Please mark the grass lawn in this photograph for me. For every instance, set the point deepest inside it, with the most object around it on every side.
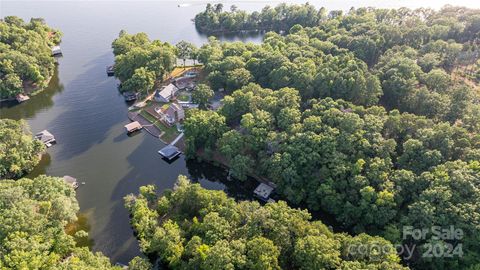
(170, 133)
(184, 97)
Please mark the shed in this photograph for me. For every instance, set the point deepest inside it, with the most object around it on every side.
(71, 181)
(169, 152)
(133, 126)
(45, 137)
(263, 191)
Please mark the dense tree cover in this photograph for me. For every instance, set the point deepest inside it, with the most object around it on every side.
(368, 167)
(194, 228)
(359, 114)
(399, 58)
(33, 216)
(19, 151)
(139, 61)
(202, 94)
(186, 50)
(280, 18)
(25, 55)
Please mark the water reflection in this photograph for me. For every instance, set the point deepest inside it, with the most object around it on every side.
(40, 101)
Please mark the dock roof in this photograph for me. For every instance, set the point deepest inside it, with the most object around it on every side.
(133, 126)
(169, 152)
(263, 191)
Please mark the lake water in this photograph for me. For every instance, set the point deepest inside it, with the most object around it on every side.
(85, 112)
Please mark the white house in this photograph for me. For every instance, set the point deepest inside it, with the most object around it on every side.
(166, 93)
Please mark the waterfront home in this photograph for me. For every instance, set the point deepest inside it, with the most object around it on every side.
(71, 181)
(165, 93)
(56, 51)
(169, 152)
(263, 191)
(133, 126)
(45, 137)
(172, 114)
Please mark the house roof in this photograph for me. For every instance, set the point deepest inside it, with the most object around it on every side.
(170, 111)
(167, 91)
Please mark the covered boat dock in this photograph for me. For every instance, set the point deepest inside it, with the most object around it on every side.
(169, 152)
(133, 126)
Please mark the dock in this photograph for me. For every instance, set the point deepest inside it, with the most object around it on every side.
(263, 192)
(45, 137)
(56, 51)
(71, 181)
(133, 126)
(110, 71)
(169, 152)
(21, 98)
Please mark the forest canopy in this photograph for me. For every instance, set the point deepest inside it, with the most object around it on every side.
(369, 115)
(194, 228)
(139, 61)
(33, 216)
(19, 151)
(26, 62)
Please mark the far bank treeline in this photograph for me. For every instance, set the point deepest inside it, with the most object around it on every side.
(26, 62)
(371, 115)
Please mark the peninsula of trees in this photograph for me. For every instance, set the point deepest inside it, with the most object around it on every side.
(139, 62)
(19, 151)
(366, 115)
(194, 228)
(26, 62)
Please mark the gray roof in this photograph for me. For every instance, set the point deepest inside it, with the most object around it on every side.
(263, 191)
(169, 151)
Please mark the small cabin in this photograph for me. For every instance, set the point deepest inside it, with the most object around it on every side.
(133, 126)
(263, 192)
(56, 50)
(71, 181)
(169, 152)
(45, 137)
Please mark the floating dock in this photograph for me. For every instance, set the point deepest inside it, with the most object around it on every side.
(110, 70)
(45, 137)
(56, 51)
(21, 98)
(169, 152)
(71, 181)
(133, 126)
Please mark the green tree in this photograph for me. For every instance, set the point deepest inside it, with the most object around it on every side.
(202, 94)
(20, 151)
